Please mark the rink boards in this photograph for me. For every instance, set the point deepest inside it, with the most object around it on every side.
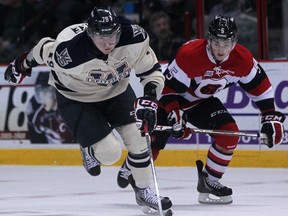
(16, 149)
(167, 157)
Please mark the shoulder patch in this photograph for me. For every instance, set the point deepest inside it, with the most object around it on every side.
(72, 53)
(79, 28)
(63, 58)
(131, 34)
(137, 30)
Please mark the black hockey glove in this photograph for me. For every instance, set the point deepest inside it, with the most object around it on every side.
(272, 126)
(15, 72)
(177, 119)
(146, 109)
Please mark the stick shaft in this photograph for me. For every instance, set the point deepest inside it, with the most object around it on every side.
(221, 132)
(148, 139)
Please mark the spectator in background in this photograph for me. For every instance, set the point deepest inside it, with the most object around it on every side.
(75, 12)
(25, 22)
(177, 10)
(225, 7)
(163, 41)
(50, 19)
(117, 6)
(45, 125)
(149, 7)
(14, 14)
(244, 15)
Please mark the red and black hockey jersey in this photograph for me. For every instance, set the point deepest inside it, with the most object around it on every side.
(194, 75)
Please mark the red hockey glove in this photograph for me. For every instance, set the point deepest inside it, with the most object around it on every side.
(15, 73)
(145, 110)
(272, 126)
(177, 119)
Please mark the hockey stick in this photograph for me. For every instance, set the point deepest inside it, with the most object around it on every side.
(221, 132)
(148, 139)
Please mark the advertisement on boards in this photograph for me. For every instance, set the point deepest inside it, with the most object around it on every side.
(28, 112)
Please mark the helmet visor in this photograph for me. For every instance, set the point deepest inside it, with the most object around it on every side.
(112, 38)
(221, 39)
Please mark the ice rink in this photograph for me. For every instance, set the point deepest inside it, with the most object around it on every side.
(70, 191)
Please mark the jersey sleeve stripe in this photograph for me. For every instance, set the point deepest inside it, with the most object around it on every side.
(157, 66)
(59, 84)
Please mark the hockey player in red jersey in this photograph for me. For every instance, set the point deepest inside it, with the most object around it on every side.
(200, 70)
(90, 66)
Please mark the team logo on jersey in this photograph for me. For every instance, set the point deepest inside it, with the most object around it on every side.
(219, 72)
(108, 78)
(63, 58)
(137, 30)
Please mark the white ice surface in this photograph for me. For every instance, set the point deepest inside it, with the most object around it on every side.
(70, 191)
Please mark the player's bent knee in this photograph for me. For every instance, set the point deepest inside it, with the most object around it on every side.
(134, 142)
(228, 142)
(108, 150)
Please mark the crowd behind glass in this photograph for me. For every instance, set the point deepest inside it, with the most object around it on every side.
(24, 22)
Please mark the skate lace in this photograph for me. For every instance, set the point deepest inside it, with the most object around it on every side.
(124, 172)
(214, 184)
(90, 162)
(149, 196)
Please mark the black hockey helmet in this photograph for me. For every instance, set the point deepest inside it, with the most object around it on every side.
(103, 21)
(223, 28)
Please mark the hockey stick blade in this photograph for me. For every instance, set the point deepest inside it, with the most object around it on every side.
(221, 132)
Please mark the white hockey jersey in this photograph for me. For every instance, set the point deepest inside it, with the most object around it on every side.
(80, 72)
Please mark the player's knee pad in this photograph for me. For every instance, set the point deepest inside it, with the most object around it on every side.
(228, 142)
(134, 142)
(108, 150)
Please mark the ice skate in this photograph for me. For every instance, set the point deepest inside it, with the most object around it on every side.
(211, 192)
(91, 164)
(148, 202)
(123, 175)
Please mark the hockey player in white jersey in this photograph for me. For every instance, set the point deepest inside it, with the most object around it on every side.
(90, 68)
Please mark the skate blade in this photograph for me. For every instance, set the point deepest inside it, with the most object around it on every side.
(150, 211)
(206, 198)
